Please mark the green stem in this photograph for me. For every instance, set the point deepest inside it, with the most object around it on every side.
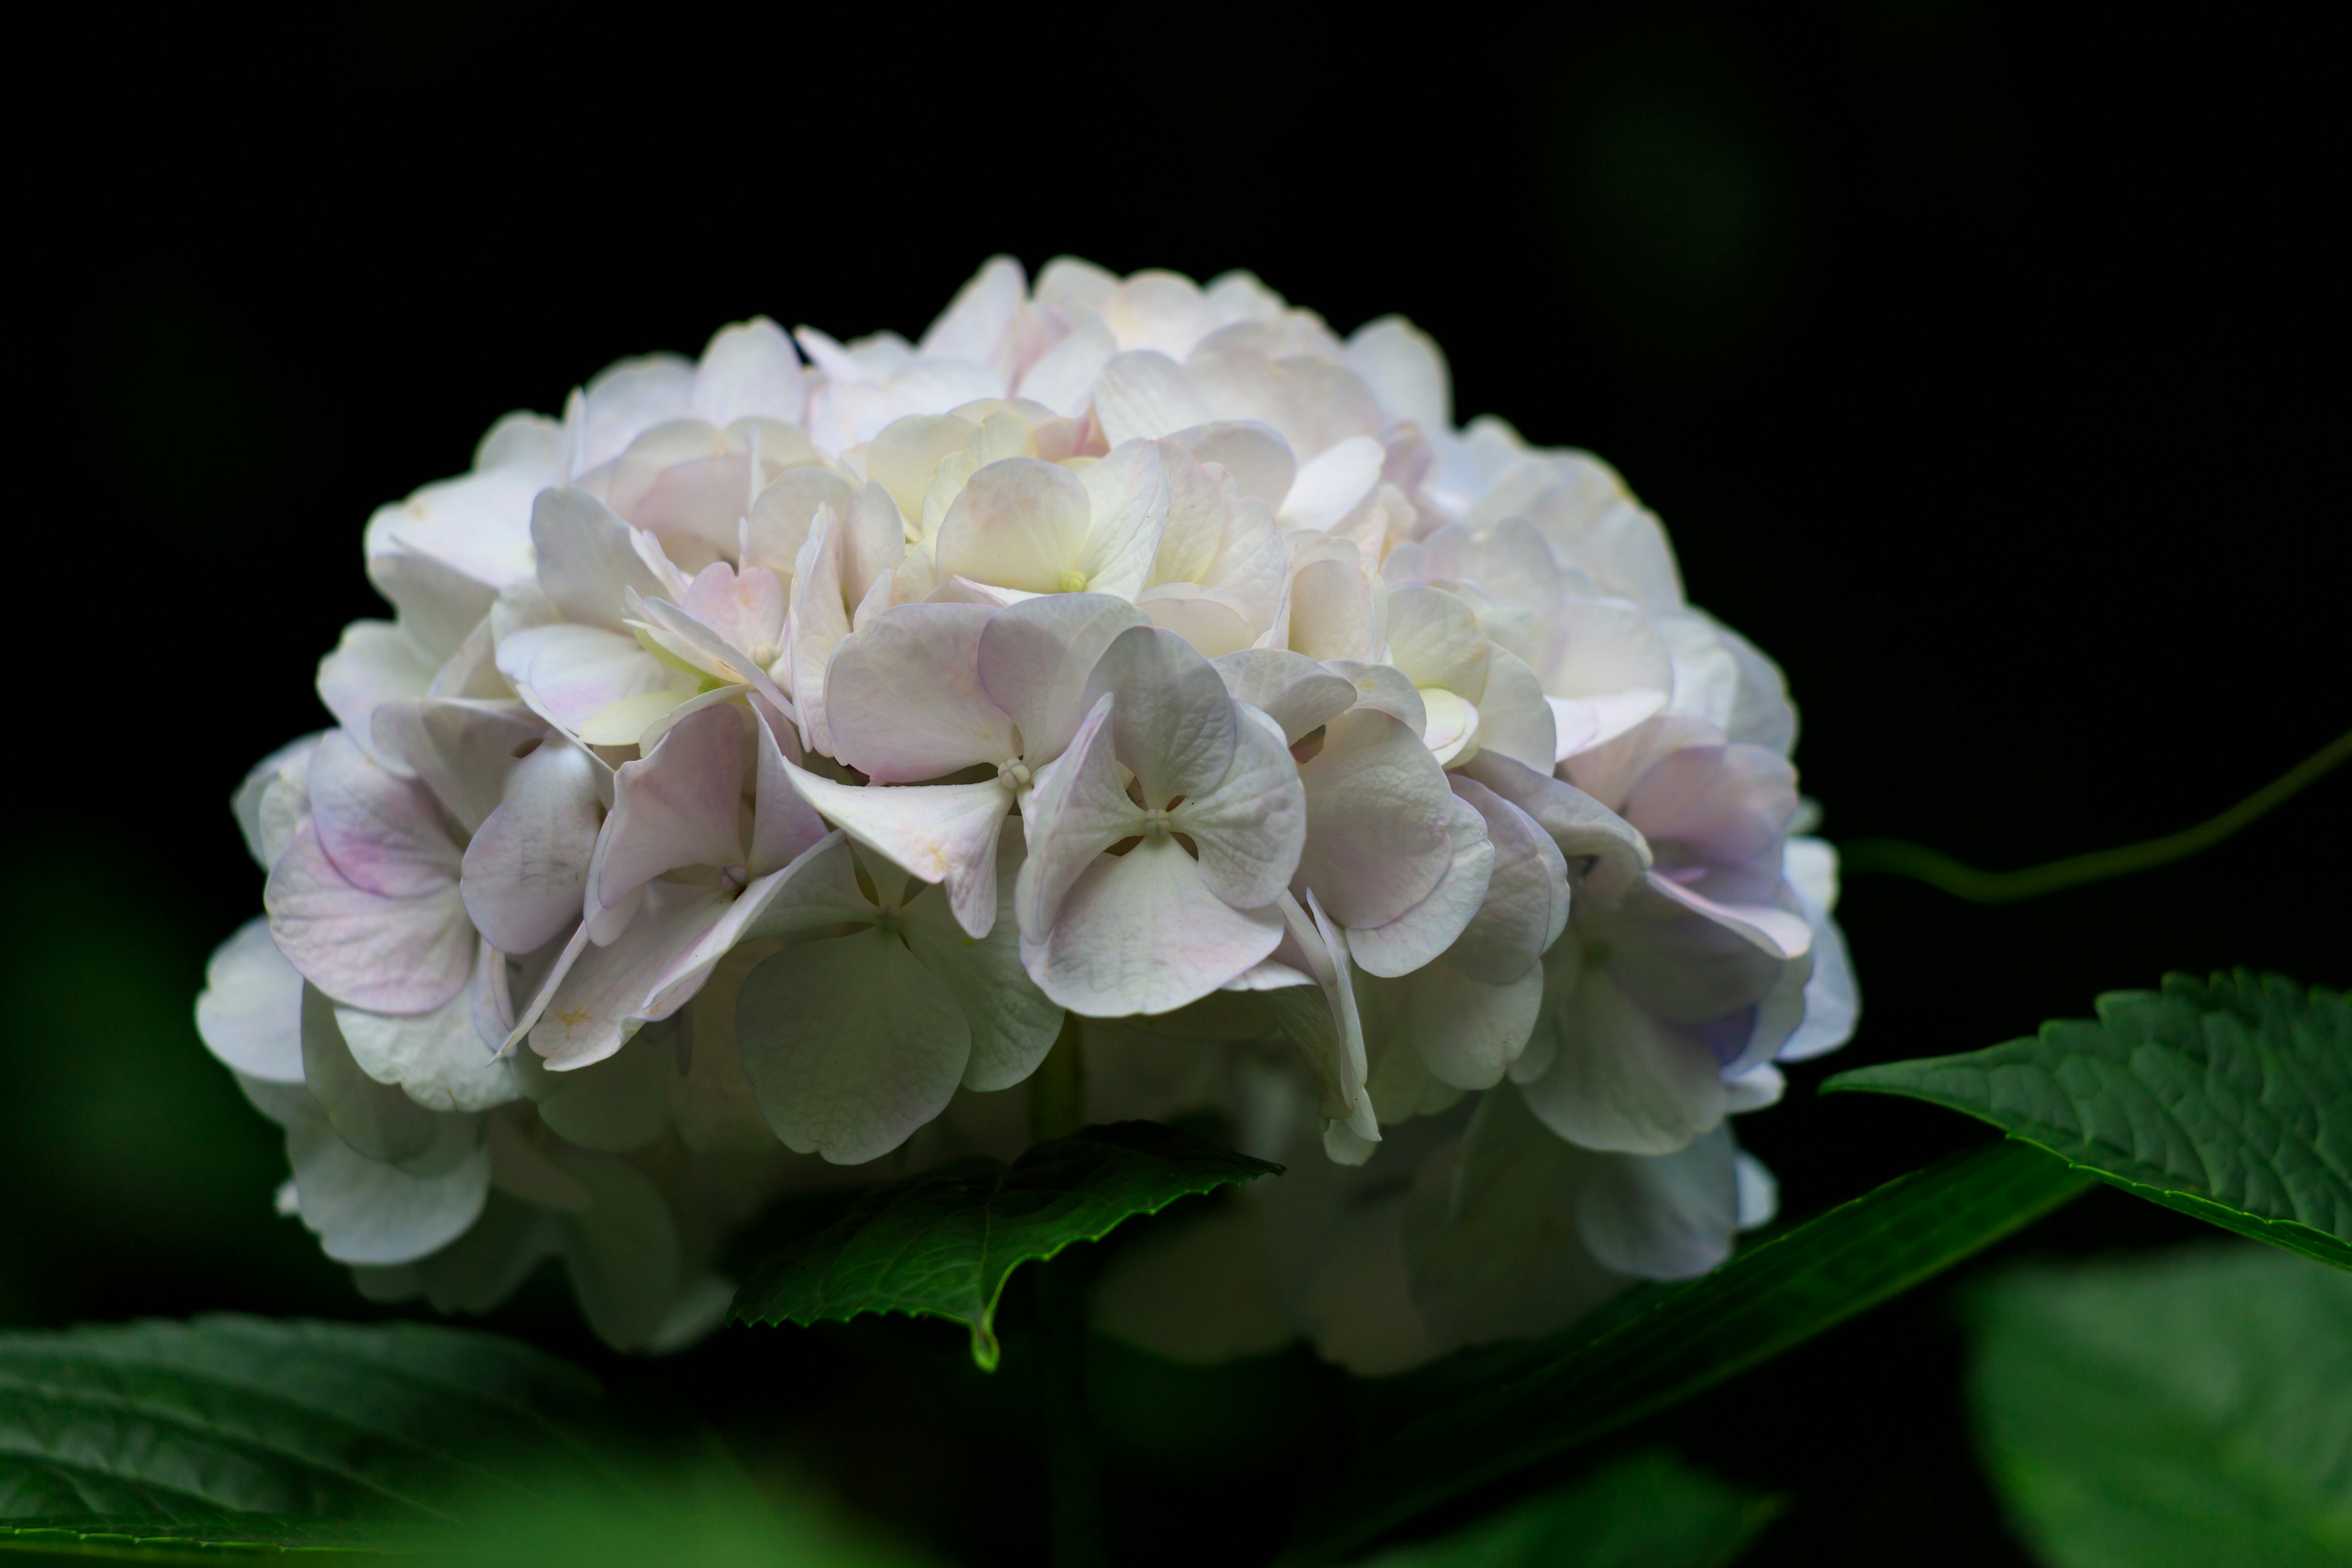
(1073, 1465)
(1901, 857)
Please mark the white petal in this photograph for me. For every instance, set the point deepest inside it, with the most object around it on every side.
(440, 1058)
(1513, 716)
(1128, 499)
(905, 696)
(1405, 370)
(1019, 523)
(1292, 690)
(576, 673)
(1252, 826)
(1013, 1023)
(1139, 932)
(1606, 858)
(680, 807)
(1078, 809)
(367, 1212)
(1436, 640)
(1663, 1217)
(1063, 377)
(1621, 1079)
(977, 325)
(1774, 931)
(820, 620)
(1383, 689)
(1254, 454)
(392, 954)
(587, 563)
(1172, 724)
(941, 832)
(250, 1012)
(1378, 815)
(1035, 660)
(526, 870)
(1431, 925)
(1335, 484)
(375, 662)
(595, 1008)
(850, 1044)
(1526, 899)
(1144, 393)
(750, 369)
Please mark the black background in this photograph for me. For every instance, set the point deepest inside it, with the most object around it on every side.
(1986, 368)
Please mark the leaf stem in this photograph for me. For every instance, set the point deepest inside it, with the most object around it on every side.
(1901, 857)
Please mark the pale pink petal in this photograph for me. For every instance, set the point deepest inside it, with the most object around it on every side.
(1334, 611)
(1415, 936)
(1405, 370)
(784, 826)
(1250, 828)
(1378, 815)
(384, 834)
(939, 833)
(807, 893)
(594, 1011)
(1035, 660)
(1327, 1030)
(820, 619)
(526, 871)
(680, 807)
(1078, 809)
(1469, 1032)
(906, 453)
(1173, 724)
(1663, 1217)
(1254, 454)
(391, 954)
(461, 749)
(906, 699)
(1526, 898)
(1292, 690)
(746, 609)
(1722, 804)
(1140, 932)
(686, 637)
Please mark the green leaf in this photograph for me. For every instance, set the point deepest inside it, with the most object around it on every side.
(281, 1434)
(1668, 1342)
(943, 1243)
(2171, 1412)
(2229, 1100)
(1647, 1511)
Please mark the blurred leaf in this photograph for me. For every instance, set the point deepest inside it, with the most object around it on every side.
(2175, 1411)
(1668, 1342)
(1648, 1511)
(945, 1242)
(286, 1432)
(2229, 1100)
(712, 1527)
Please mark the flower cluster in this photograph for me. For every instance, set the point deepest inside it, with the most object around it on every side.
(772, 757)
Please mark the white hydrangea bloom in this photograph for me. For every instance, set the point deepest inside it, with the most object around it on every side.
(766, 757)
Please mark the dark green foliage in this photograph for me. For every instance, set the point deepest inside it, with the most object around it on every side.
(943, 1243)
(2229, 1100)
(2181, 1411)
